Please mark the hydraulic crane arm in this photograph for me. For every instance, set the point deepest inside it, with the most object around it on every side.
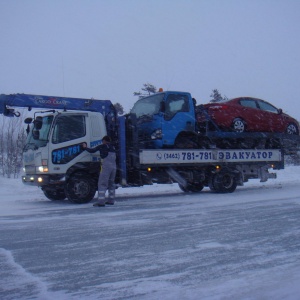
(7, 102)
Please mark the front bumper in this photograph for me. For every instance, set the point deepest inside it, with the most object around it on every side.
(36, 180)
(42, 179)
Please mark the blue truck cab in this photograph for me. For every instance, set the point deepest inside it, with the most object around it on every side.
(165, 119)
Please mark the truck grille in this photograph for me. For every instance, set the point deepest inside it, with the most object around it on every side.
(30, 169)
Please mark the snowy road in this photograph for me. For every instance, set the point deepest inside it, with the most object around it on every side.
(155, 243)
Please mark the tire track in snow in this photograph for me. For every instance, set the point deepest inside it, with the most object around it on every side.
(16, 282)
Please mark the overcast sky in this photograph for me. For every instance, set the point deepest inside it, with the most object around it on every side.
(107, 49)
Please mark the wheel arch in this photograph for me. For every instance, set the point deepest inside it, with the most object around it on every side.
(186, 136)
(90, 168)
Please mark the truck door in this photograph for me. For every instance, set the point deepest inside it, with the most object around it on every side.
(179, 116)
(68, 133)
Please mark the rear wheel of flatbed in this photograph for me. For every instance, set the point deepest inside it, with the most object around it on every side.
(223, 182)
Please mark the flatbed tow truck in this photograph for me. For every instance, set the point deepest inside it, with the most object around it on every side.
(153, 146)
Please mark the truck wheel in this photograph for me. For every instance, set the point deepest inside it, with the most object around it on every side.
(223, 182)
(80, 188)
(55, 195)
(191, 188)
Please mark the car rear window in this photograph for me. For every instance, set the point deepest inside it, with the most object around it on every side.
(248, 103)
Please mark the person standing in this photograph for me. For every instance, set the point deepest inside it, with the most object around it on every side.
(106, 181)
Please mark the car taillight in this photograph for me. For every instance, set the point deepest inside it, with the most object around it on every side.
(219, 107)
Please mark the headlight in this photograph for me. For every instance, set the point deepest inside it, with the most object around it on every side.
(157, 134)
(43, 169)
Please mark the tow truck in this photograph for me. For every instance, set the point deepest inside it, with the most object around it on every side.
(154, 145)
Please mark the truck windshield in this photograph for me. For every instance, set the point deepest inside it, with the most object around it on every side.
(39, 138)
(147, 106)
(68, 127)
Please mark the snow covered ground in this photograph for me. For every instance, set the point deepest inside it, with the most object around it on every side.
(155, 243)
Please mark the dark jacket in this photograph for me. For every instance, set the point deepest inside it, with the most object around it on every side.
(104, 149)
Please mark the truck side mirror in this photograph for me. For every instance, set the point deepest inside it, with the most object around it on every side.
(279, 111)
(28, 121)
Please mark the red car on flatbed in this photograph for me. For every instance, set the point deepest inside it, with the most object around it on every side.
(247, 114)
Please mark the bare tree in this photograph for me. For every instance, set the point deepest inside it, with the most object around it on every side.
(147, 90)
(119, 108)
(216, 96)
(12, 141)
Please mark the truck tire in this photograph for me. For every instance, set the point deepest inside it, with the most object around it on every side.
(80, 188)
(54, 195)
(191, 188)
(223, 182)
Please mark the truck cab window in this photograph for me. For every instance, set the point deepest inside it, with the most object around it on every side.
(68, 127)
(176, 103)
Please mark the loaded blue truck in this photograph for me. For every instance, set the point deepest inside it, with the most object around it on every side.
(159, 141)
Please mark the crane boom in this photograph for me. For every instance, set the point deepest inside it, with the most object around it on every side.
(51, 102)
